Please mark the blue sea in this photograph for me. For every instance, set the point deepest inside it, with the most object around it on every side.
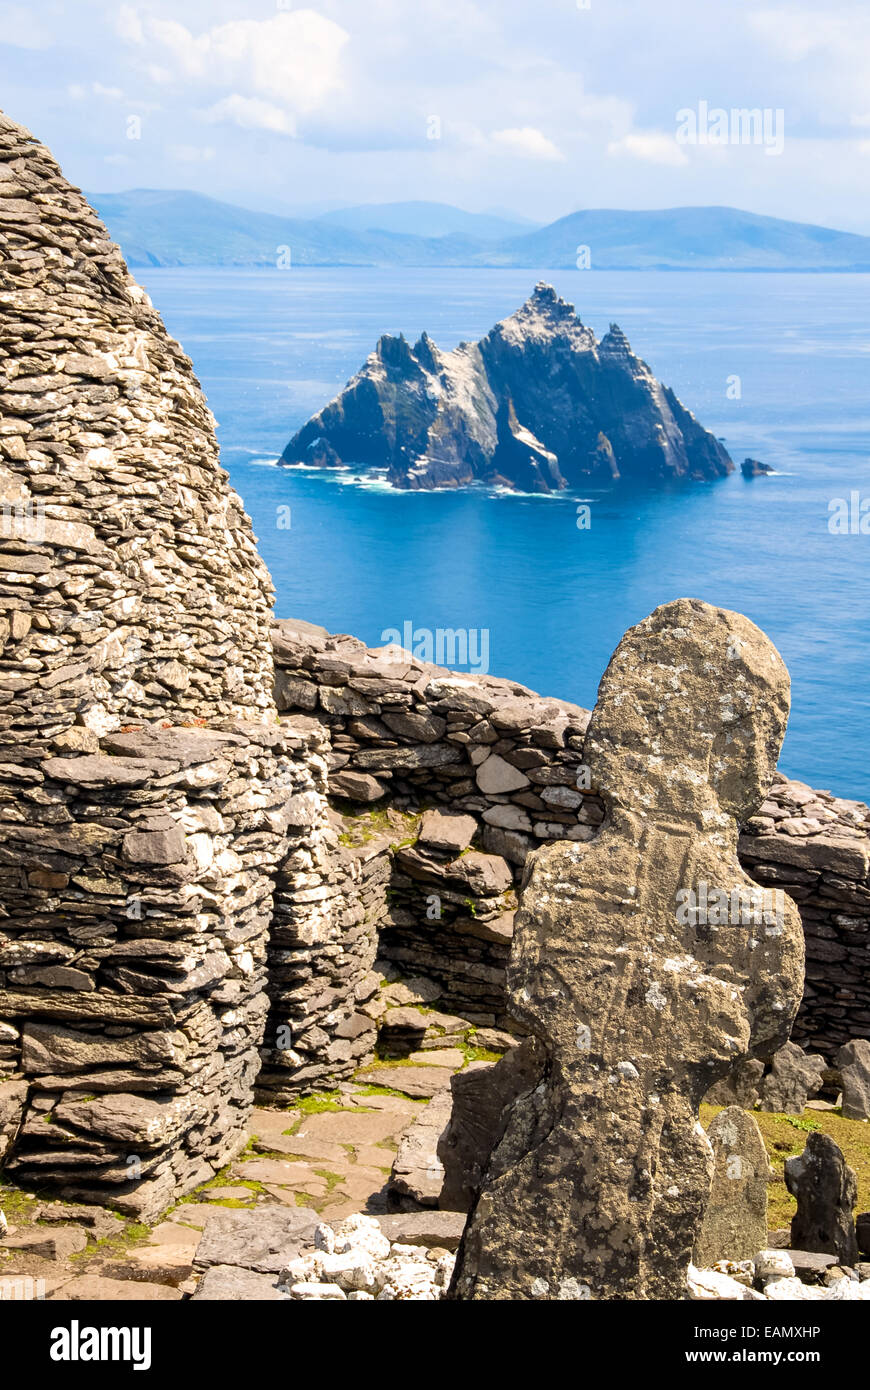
(272, 346)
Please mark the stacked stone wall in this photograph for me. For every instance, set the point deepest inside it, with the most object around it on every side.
(133, 961)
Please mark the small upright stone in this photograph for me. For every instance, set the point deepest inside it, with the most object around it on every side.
(735, 1222)
(598, 1185)
(826, 1191)
(793, 1078)
(853, 1060)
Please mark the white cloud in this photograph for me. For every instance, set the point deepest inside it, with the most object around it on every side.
(652, 146)
(294, 58)
(251, 114)
(527, 142)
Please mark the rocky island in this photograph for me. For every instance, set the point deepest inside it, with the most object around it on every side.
(538, 405)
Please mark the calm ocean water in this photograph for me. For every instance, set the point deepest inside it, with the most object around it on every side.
(271, 347)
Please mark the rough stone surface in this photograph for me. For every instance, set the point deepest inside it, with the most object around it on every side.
(262, 1240)
(418, 1174)
(599, 1184)
(794, 1076)
(222, 1283)
(853, 1061)
(735, 1220)
(481, 1096)
(826, 1191)
(439, 1230)
(739, 1087)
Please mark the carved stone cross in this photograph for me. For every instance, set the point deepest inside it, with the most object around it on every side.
(639, 995)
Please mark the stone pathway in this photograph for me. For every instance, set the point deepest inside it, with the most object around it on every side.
(331, 1158)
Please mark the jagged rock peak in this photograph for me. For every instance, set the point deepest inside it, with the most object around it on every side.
(615, 342)
(545, 298)
(546, 315)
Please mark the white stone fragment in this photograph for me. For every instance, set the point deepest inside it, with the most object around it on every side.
(773, 1264)
(324, 1293)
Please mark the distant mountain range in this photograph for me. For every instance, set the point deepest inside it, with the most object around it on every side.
(178, 228)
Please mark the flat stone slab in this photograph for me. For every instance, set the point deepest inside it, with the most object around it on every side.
(355, 1126)
(322, 1150)
(446, 831)
(222, 1283)
(49, 1243)
(190, 1214)
(96, 1288)
(394, 1105)
(149, 1272)
(811, 1262)
(263, 1240)
(268, 1170)
(430, 1228)
(440, 1057)
(411, 1081)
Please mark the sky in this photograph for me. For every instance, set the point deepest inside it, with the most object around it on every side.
(530, 107)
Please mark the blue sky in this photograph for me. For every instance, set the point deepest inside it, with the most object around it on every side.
(538, 108)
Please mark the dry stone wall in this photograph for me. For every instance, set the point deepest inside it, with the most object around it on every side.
(137, 855)
(816, 847)
(329, 904)
(133, 962)
(130, 581)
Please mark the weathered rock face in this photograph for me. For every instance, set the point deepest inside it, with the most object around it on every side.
(598, 1186)
(739, 1087)
(130, 583)
(735, 1221)
(481, 1096)
(538, 404)
(853, 1060)
(826, 1191)
(13, 1098)
(794, 1077)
